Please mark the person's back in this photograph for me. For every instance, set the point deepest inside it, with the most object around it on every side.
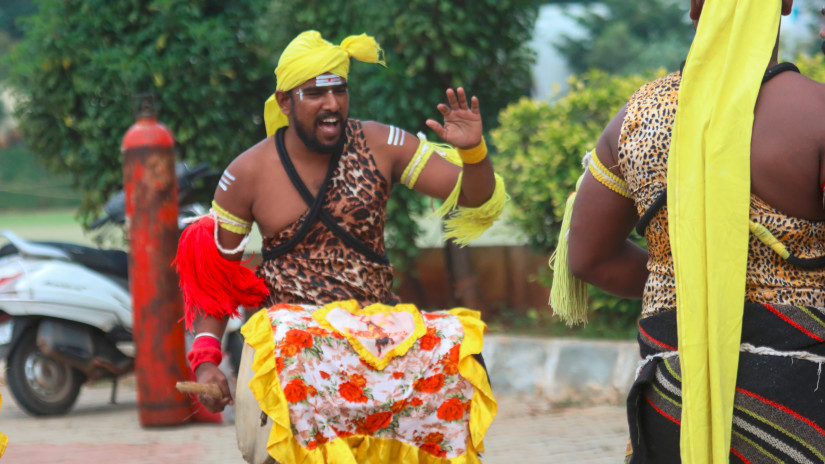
(690, 399)
(788, 146)
(786, 177)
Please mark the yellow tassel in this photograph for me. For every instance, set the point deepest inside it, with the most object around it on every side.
(467, 224)
(568, 295)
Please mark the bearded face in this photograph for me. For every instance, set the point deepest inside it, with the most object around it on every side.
(319, 109)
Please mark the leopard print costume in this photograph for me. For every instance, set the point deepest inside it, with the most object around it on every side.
(644, 144)
(321, 268)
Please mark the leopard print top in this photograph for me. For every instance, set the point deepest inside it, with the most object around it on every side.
(321, 268)
(643, 148)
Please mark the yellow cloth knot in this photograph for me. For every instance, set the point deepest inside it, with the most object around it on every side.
(309, 55)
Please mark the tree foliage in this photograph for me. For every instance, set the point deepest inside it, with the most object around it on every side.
(812, 66)
(210, 63)
(80, 62)
(10, 10)
(625, 37)
(545, 143)
(430, 45)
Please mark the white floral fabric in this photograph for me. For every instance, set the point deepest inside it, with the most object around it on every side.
(419, 398)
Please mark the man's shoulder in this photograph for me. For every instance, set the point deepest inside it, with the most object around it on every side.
(385, 136)
(249, 161)
(807, 85)
(667, 84)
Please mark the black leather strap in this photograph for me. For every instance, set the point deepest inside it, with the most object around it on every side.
(660, 201)
(316, 210)
(315, 204)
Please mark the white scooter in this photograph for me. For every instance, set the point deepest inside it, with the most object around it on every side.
(65, 312)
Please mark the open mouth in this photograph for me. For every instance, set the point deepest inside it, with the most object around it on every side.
(329, 124)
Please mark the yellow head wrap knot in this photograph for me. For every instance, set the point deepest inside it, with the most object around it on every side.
(309, 55)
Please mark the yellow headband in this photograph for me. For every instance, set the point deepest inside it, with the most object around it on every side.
(309, 55)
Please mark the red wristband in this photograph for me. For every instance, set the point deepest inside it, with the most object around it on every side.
(204, 349)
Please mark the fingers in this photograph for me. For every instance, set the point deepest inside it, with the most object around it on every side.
(474, 108)
(208, 373)
(436, 127)
(214, 405)
(443, 109)
(452, 101)
(457, 100)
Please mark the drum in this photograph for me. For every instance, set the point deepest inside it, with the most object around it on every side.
(342, 383)
(252, 426)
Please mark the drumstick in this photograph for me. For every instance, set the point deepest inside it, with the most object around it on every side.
(209, 390)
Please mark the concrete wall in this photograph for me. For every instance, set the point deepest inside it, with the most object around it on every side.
(561, 370)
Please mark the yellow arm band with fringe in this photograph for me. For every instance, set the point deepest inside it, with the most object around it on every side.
(605, 177)
(473, 155)
(568, 295)
(464, 224)
(230, 222)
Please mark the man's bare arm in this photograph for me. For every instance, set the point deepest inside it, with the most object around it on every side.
(462, 129)
(600, 252)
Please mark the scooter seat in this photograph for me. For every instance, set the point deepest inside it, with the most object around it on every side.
(112, 262)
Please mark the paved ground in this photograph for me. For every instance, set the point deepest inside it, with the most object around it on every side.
(96, 432)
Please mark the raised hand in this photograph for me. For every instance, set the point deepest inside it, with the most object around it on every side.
(462, 123)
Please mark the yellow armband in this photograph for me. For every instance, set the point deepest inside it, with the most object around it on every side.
(230, 222)
(605, 177)
(422, 155)
(462, 224)
(473, 155)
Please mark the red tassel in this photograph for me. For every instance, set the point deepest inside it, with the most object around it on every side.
(211, 283)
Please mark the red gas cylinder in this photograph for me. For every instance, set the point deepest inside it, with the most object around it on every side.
(157, 309)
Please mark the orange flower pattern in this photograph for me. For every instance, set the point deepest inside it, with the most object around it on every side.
(419, 399)
(295, 391)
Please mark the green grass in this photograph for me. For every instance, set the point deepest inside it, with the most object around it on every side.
(52, 224)
(26, 185)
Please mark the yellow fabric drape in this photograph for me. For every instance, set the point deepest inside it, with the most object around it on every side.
(708, 206)
(309, 55)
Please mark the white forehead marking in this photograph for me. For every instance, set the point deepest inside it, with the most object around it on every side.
(325, 80)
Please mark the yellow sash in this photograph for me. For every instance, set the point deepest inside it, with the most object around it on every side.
(708, 209)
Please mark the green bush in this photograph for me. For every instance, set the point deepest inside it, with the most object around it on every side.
(812, 66)
(80, 62)
(543, 144)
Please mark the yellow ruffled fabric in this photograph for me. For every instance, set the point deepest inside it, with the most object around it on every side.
(4, 440)
(356, 449)
(354, 308)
